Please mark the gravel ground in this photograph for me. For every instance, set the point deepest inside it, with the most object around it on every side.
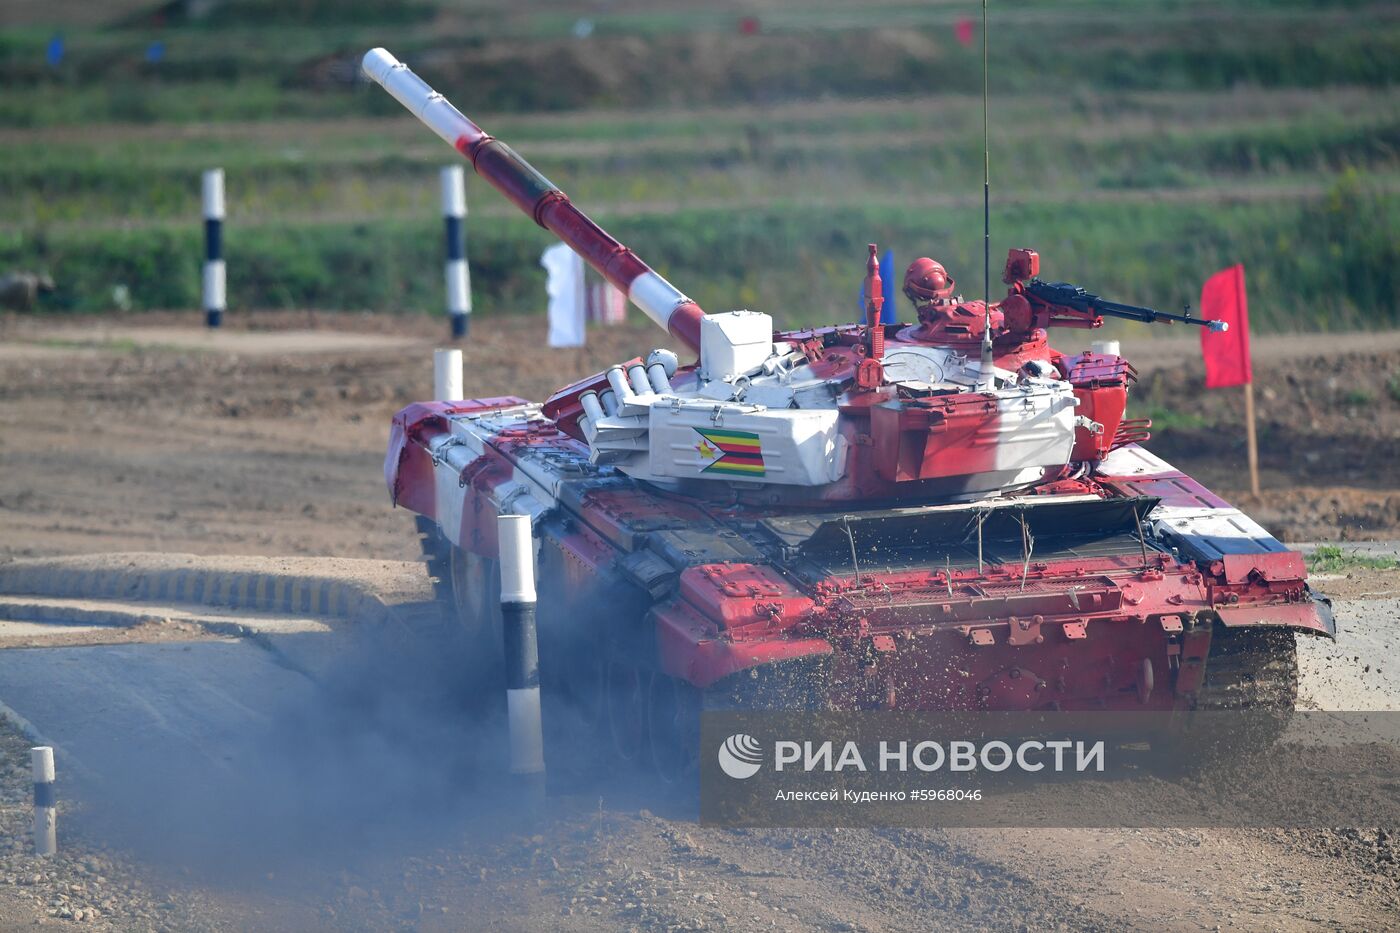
(635, 869)
(83, 883)
(275, 448)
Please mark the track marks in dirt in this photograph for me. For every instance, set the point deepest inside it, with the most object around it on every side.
(1197, 879)
(646, 872)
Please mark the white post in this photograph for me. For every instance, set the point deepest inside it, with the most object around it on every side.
(565, 288)
(458, 274)
(517, 549)
(215, 281)
(447, 375)
(45, 809)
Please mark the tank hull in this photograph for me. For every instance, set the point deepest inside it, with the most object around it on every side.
(1108, 592)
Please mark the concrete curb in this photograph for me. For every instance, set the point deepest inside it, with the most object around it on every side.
(51, 610)
(60, 612)
(303, 591)
(255, 584)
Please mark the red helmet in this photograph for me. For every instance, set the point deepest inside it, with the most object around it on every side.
(926, 280)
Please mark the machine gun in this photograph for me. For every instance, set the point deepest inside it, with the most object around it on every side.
(1065, 305)
(1065, 295)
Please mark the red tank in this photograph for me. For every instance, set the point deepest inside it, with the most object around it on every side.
(945, 514)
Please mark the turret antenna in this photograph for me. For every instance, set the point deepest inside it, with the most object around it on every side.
(984, 376)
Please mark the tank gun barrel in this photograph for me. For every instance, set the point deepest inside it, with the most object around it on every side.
(1065, 295)
(539, 198)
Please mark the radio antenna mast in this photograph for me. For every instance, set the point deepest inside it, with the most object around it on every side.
(985, 381)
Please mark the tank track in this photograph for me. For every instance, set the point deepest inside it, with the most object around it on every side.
(1252, 671)
(437, 555)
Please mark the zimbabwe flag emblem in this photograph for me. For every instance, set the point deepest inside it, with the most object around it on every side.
(733, 452)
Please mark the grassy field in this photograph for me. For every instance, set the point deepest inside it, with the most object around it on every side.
(1137, 147)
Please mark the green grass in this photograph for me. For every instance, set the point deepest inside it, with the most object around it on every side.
(1167, 419)
(1357, 397)
(1328, 558)
(1138, 149)
(802, 264)
(526, 63)
(46, 182)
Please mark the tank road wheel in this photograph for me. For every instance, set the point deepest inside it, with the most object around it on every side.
(673, 727)
(624, 699)
(571, 653)
(476, 611)
(476, 585)
(577, 740)
(582, 689)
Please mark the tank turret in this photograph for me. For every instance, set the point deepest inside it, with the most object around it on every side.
(864, 411)
(665, 426)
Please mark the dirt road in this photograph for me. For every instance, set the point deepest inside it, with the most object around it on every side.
(122, 435)
(284, 807)
(150, 435)
(271, 442)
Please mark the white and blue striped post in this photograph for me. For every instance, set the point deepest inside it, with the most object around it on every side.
(517, 549)
(215, 283)
(458, 275)
(45, 804)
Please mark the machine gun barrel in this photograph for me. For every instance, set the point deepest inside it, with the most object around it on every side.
(1072, 296)
(534, 194)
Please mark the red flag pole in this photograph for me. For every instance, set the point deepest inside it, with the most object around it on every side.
(1253, 441)
(1251, 438)
(1226, 352)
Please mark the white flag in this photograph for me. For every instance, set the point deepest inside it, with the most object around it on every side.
(566, 295)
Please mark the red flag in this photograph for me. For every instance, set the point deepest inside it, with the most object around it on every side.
(1226, 353)
(963, 30)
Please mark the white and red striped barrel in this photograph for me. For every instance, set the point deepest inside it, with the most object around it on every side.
(541, 199)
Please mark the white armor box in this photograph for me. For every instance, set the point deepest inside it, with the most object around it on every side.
(735, 343)
(747, 444)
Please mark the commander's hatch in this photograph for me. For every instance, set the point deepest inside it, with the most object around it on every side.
(938, 536)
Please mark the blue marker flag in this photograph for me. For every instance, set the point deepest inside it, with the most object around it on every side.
(55, 51)
(889, 313)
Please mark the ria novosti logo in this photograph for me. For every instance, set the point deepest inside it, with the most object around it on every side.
(740, 756)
